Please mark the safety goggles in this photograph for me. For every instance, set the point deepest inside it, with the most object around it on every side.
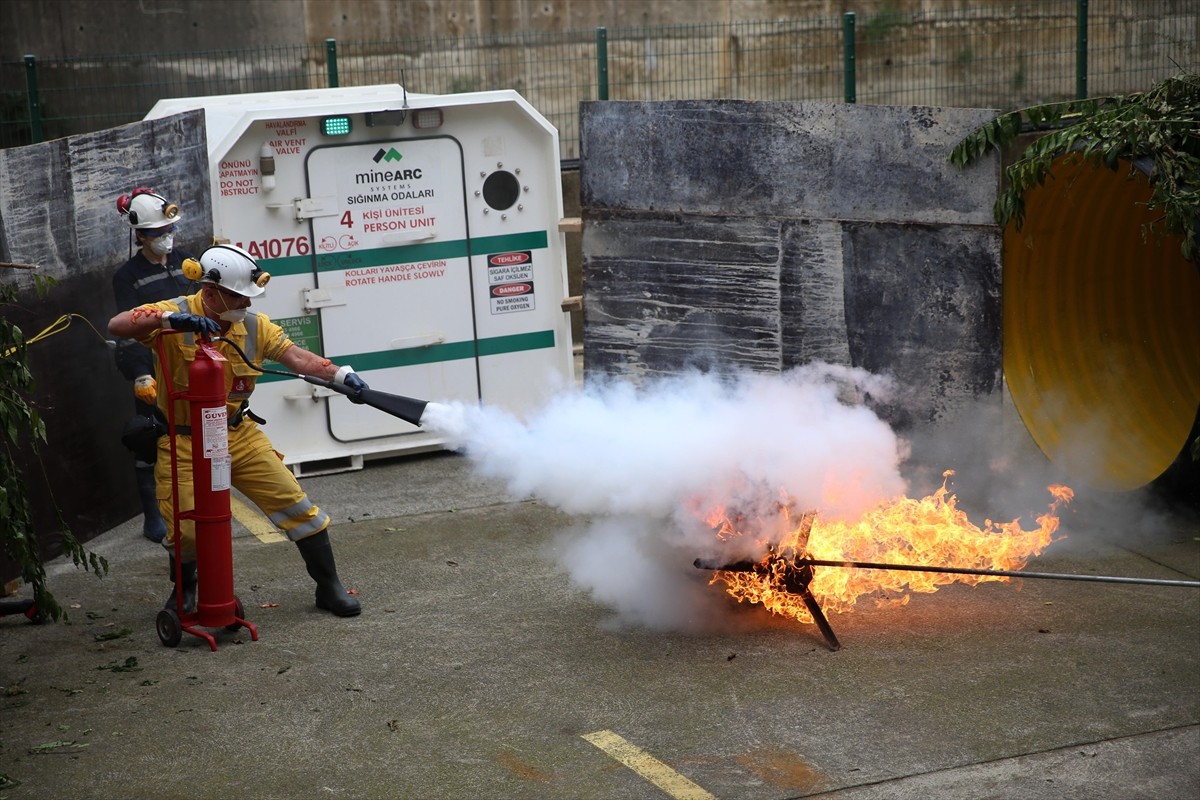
(154, 233)
(228, 295)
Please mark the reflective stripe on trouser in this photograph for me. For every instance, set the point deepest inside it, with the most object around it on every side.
(258, 473)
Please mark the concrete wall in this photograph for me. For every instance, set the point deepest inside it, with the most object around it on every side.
(56, 28)
(58, 210)
(976, 54)
(69, 28)
(727, 234)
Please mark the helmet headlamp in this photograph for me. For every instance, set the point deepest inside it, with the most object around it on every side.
(147, 210)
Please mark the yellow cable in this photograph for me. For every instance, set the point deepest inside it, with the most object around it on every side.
(58, 326)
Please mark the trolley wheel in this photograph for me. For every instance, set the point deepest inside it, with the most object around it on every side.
(239, 612)
(34, 615)
(170, 631)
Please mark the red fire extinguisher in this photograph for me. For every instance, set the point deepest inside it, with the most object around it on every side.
(216, 606)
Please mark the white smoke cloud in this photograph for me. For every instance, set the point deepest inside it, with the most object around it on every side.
(629, 566)
(648, 462)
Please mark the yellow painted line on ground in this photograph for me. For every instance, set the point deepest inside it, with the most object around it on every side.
(647, 766)
(255, 522)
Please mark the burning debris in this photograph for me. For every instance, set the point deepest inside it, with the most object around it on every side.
(788, 578)
(882, 554)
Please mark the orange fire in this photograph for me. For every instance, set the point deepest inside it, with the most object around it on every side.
(930, 532)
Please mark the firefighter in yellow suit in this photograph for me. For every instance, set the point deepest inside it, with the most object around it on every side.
(229, 279)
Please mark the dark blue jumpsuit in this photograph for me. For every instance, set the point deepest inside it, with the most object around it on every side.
(135, 283)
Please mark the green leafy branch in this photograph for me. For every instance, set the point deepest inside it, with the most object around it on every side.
(1161, 125)
(22, 428)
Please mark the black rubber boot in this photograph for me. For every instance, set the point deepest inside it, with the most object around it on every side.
(189, 587)
(153, 526)
(331, 595)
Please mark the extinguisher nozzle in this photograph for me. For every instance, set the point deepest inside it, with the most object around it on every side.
(408, 409)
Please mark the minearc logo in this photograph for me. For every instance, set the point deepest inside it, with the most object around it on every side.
(387, 155)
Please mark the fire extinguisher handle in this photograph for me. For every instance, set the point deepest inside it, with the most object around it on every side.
(179, 321)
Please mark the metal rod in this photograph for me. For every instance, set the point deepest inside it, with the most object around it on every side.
(1081, 50)
(849, 59)
(601, 63)
(749, 566)
(35, 102)
(331, 65)
(814, 608)
(797, 581)
(736, 566)
(1007, 573)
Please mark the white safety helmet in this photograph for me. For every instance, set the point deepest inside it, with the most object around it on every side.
(148, 210)
(232, 268)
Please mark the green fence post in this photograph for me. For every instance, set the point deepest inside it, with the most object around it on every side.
(331, 62)
(849, 79)
(1081, 65)
(601, 63)
(35, 103)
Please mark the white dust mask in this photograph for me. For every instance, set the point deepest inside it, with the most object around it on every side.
(161, 245)
(233, 314)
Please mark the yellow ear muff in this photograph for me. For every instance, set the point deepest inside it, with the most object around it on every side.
(192, 269)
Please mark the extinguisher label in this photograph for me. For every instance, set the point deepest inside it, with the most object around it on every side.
(215, 433)
(222, 473)
(215, 441)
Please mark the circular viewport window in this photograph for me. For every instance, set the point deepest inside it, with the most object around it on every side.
(501, 190)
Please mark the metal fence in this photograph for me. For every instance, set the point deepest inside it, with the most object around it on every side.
(1000, 56)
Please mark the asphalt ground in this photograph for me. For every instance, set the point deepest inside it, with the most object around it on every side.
(477, 670)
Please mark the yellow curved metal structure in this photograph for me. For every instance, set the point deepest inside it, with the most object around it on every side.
(1101, 328)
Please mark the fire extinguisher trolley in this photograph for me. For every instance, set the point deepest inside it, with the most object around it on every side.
(216, 606)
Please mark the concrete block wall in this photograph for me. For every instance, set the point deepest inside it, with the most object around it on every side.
(727, 234)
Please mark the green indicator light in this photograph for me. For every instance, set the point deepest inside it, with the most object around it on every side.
(335, 126)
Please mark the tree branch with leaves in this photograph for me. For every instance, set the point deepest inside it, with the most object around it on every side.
(22, 429)
(1160, 127)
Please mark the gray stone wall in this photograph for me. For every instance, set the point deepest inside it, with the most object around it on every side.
(983, 54)
(57, 28)
(58, 211)
(733, 235)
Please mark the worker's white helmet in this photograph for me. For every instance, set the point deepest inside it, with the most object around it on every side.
(149, 210)
(232, 268)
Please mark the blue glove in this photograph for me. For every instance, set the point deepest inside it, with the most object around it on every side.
(347, 377)
(357, 384)
(177, 320)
